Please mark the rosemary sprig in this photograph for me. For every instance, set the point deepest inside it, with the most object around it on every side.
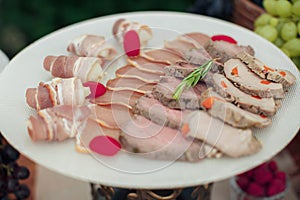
(193, 78)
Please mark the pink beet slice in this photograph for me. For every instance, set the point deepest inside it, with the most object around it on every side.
(97, 89)
(105, 145)
(225, 38)
(131, 43)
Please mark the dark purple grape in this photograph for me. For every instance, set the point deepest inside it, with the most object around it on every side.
(10, 154)
(3, 186)
(12, 184)
(21, 173)
(22, 192)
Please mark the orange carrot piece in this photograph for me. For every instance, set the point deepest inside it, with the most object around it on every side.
(208, 102)
(265, 82)
(268, 69)
(234, 71)
(282, 73)
(185, 129)
(223, 84)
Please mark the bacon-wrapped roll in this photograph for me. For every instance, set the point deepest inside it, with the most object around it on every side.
(121, 26)
(58, 123)
(58, 91)
(92, 46)
(85, 68)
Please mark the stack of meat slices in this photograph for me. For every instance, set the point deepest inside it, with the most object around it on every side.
(213, 118)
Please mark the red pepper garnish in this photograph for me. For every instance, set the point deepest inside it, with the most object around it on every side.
(266, 82)
(266, 68)
(282, 73)
(234, 71)
(225, 38)
(105, 145)
(223, 84)
(257, 97)
(131, 43)
(263, 116)
(208, 102)
(97, 89)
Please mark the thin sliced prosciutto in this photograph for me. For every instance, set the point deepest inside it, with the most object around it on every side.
(162, 55)
(92, 46)
(85, 68)
(129, 71)
(147, 65)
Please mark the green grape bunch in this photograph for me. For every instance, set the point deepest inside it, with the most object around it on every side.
(281, 26)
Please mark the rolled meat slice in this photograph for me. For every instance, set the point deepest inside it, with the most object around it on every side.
(85, 68)
(58, 91)
(231, 141)
(57, 123)
(285, 77)
(92, 46)
(121, 26)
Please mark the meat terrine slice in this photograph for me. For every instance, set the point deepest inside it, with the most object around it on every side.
(242, 77)
(189, 99)
(147, 139)
(254, 104)
(218, 107)
(231, 141)
(285, 77)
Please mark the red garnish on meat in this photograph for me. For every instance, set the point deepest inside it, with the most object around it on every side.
(223, 84)
(265, 82)
(263, 116)
(105, 145)
(97, 89)
(185, 129)
(268, 69)
(282, 73)
(225, 38)
(256, 97)
(234, 71)
(207, 103)
(131, 43)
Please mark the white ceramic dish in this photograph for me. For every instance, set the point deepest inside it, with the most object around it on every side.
(124, 170)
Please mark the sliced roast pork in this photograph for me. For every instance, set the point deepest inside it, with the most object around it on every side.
(57, 123)
(254, 104)
(132, 84)
(110, 116)
(225, 50)
(231, 141)
(247, 81)
(180, 45)
(146, 65)
(285, 77)
(218, 107)
(189, 99)
(200, 38)
(153, 110)
(127, 98)
(161, 55)
(145, 138)
(130, 71)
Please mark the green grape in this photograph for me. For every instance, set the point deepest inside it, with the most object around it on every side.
(270, 6)
(288, 31)
(281, 22)
(279, 42)
(296, 8)
(258, 29)
(273, 21)
(286, 52)
(268, 32)
(293, 47)
(296, 60)
(298, 28)
(262, 20)
(283, 8)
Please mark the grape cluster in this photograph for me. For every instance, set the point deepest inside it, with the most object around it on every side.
(281, 26)
(11, 173)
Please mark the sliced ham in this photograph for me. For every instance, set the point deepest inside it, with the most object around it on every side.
(254, 104)
(180, 45)
(218, 107)
(58, 91)
(247, 81)
(132, 84)
(110, 116)
(150, 140)
(57, 123)
(92, 46)
(121, 26)
(85, 68)
(130, 71)
(124, 97)
(285, 77)
(146, 65)
(231, 141)
(200, 38)
(225, 50)
(189, 99)
(162, 55)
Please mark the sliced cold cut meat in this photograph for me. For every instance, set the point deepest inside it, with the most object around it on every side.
(161, 55)
(146, 65)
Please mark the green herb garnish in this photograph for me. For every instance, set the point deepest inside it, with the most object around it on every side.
(193, 78)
